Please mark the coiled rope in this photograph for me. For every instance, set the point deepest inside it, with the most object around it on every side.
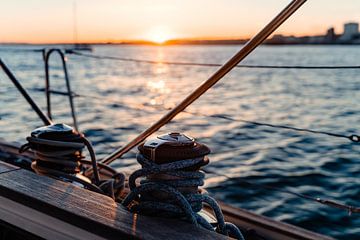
(63, 159)
(176, 196)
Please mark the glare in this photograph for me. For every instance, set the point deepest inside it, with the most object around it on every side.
(157, 85)
(159, 35)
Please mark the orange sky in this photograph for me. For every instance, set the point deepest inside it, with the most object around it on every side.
(51, 21)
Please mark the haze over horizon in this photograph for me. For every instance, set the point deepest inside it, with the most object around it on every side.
(40, 21)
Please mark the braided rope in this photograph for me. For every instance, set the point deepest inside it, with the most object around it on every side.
(170, 191)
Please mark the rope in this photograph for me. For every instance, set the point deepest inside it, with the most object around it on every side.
(350, 209)
(63, 159)
(175, 196)
(206, 64)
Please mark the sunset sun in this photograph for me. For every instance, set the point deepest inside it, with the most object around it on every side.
(159, 35)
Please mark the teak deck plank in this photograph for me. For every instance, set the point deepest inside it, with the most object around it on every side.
(93, 212)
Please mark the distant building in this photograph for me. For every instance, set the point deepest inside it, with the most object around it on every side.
(330, 36)
(356, 39)
(351, 35)
(281, 39)
(350, 31)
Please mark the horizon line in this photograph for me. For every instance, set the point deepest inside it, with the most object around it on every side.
(175, 41)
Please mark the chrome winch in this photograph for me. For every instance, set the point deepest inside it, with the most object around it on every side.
(58, 153)
(57, 149)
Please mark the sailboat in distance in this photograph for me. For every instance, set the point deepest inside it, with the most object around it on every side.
(78, 46)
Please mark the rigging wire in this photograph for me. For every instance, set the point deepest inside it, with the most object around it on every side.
(207, 64)
(350, 209)
(123, 104)
(354, 138)
(21, 49)
(94, 56)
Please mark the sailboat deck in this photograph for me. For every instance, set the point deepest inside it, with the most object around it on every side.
(58, 210)
(79, 211)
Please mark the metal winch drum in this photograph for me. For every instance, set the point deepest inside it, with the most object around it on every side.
(173, 147)
(58, 149)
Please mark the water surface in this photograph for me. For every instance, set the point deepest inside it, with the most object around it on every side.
(122, 98)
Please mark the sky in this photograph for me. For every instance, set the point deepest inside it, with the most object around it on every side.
(52, 21)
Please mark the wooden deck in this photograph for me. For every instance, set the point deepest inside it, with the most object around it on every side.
(82, 212)
(54, 209)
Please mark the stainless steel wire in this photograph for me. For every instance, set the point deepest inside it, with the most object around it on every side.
(219, 74)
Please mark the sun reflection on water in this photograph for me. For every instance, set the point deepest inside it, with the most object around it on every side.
(158, 84)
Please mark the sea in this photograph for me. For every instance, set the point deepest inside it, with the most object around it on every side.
(117, 100)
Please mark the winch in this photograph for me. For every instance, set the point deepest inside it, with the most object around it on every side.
(57, 147)
(58, 153)
(173, 147)
(170, 182)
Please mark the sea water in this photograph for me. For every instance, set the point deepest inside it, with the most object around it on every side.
(119, 99)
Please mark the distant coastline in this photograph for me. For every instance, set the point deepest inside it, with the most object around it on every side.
(187, 42)
(350, 36)
(281, 42)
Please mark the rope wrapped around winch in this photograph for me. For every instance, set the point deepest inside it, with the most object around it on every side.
(58, 151)
(170, 189)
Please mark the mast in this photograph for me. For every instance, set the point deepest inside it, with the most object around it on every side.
(75, 31)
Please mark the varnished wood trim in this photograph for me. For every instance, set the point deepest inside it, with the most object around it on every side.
(41, 224)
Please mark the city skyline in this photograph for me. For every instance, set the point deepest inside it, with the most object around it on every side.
(40, 21)
(349, 35)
